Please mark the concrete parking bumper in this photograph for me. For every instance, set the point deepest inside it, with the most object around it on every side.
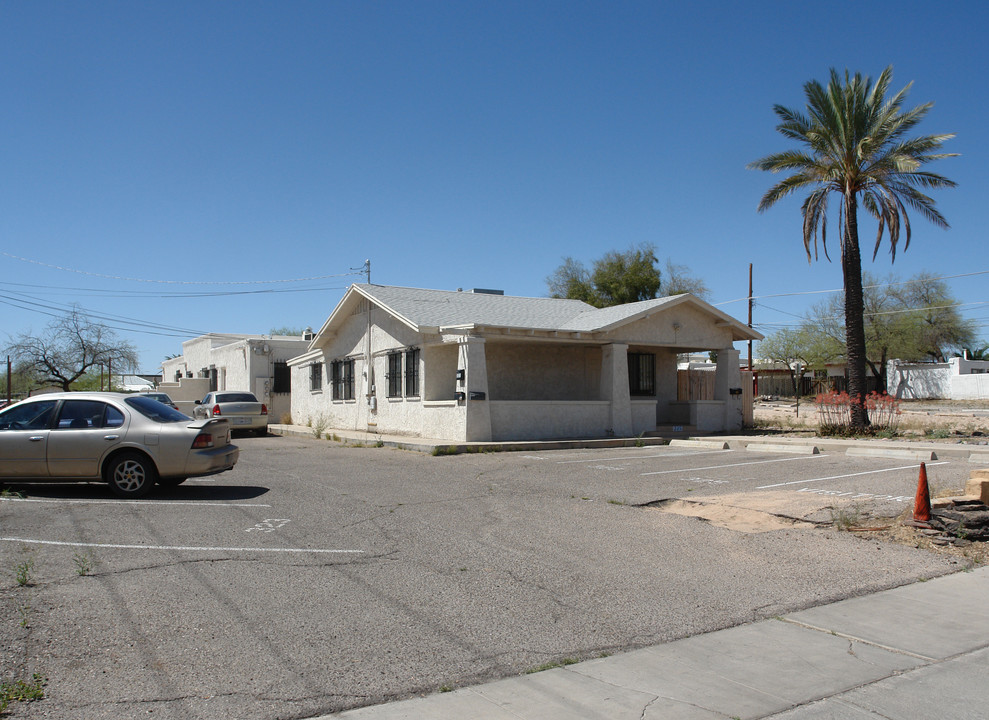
(920, 650)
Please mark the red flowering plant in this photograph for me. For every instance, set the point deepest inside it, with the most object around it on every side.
(884, 412)
(834, 412)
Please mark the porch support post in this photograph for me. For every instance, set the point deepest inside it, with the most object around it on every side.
(614, 388)
(728, 377)
(478, 412)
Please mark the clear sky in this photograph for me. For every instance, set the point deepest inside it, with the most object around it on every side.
(179, 168)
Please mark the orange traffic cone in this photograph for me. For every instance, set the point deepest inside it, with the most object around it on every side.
(922, 504)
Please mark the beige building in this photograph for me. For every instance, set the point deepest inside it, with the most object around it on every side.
(480, 366)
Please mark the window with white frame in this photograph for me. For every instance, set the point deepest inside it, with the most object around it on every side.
(342, 378)
(394, 374)
(316, 377)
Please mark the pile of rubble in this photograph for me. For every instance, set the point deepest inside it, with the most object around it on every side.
(958, 520)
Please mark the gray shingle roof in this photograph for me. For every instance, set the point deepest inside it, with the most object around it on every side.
(444, 308)
(448, 309)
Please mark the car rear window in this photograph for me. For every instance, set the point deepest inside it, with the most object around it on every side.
(235, 397)
(154, 410)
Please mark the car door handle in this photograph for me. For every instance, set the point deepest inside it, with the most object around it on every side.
(36, 438)
(111, 437)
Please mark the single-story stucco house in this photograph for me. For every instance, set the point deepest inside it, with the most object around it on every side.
(226, 361)
(482, 366)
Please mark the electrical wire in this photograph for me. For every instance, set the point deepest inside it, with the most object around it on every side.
(178, 282)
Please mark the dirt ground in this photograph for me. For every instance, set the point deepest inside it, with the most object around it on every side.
(945, 421)
(928, 420)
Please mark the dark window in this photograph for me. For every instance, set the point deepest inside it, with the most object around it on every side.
(154, 410)
(641, 374)
(343, 379)
(81, 415)
(394, 374)
(316, 376)
(283, 378)
(27, 415)
(412, 372)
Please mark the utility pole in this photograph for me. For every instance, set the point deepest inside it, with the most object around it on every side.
(750, 314)
(8, 379)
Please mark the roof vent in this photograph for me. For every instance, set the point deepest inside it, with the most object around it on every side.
(483, 291)
(307, 334)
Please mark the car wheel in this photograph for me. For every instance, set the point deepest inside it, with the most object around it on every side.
(171, 481)
(131, 475)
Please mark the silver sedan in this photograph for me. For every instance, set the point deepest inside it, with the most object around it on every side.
(128, 441)
(242, 409)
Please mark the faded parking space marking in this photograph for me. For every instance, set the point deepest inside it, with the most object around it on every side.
(720, 467)
(182, 548)
(855, 495)
(268, 526)
(839, 477)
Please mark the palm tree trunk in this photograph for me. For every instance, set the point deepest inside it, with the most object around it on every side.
(851, 267)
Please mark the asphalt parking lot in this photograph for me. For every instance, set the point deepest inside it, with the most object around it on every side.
(314, 578)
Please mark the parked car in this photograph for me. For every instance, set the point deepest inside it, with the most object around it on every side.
(160, 397)
(128, 441)
(242, 409)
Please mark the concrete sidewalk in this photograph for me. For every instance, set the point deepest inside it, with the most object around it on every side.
(916, 651)
(906, 449)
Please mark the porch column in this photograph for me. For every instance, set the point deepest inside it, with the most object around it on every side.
(728, 376)
(475, 364)
(614, 388)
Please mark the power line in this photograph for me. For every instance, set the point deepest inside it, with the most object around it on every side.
(177, 282)
(866, 287)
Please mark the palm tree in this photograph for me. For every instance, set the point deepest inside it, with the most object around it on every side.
(855, 147)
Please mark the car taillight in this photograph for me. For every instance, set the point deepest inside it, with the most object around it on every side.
(264, 409)
(216, 410)
(203, 440)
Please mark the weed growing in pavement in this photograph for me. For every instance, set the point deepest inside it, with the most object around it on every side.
(84, 563)
(446, 688)
(5, 493)
(318, 426)
(286, 419)
(22, 572)
(21, 691)
(444, 450)
(845, 518)
(23, 612)
(938, 433)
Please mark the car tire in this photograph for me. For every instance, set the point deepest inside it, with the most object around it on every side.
(131, 475)
(171, 481)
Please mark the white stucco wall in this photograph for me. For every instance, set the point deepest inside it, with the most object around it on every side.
(918, 381)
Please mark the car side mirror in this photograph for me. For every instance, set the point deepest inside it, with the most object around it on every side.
(198, 402)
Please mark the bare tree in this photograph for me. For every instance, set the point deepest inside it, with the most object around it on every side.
(68, 347)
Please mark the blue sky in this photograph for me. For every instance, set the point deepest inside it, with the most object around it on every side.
(153, 154)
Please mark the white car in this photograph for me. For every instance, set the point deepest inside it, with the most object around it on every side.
(128, 441)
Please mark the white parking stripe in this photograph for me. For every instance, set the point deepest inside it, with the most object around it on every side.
(175, 547)
(838, 477)
(641, 457)
(718, 467)
(132, 502)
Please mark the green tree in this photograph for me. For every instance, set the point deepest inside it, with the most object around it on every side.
(915, 320)
(855, 148)
(789, 348)
(621, 277)
(68, 348)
